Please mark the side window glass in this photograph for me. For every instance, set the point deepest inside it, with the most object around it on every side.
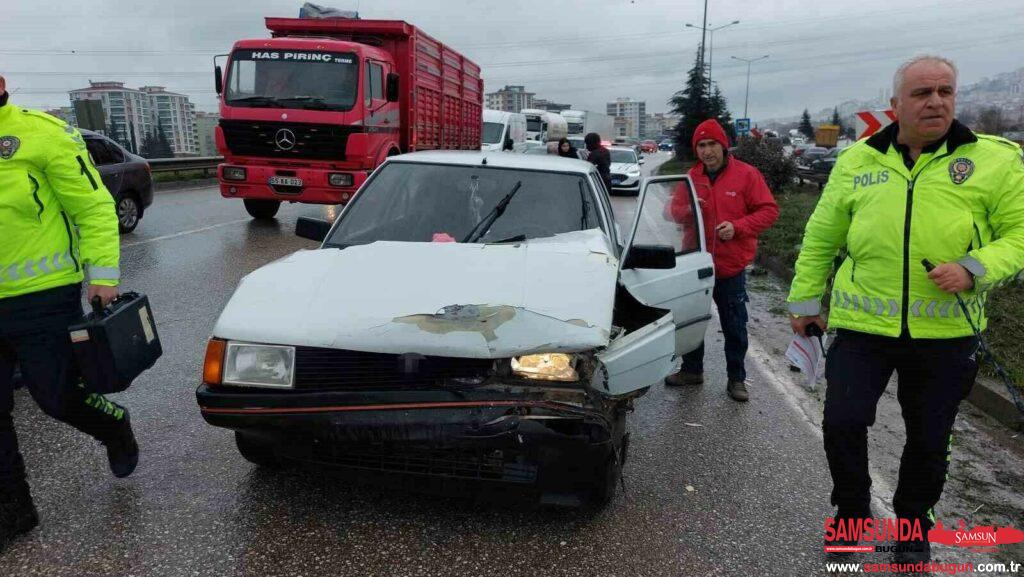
(114, 155)
(97, 151)
(668, 217)
(377, 81)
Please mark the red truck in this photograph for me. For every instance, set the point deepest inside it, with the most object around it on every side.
(308, 114)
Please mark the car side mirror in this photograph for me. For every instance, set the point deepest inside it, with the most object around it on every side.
(509, 144)
(392, 87)
(312, 228)
(218, 80)
(650, 257)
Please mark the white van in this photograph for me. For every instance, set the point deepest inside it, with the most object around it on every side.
(544, 126)
(503, 131)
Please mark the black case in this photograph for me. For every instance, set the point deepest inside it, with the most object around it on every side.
(114, 345)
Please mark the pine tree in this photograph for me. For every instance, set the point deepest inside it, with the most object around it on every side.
(692, 104)
(163, 144)
(838, 121)
(806, 128)
(720, 111)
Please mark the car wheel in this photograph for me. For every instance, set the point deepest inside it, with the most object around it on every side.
(129, 212)
(262, 209)
(257, 452)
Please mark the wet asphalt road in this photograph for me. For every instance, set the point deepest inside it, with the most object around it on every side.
(194, 507)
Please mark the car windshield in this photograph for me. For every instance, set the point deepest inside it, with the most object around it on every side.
(492, 132)
(625, 156)
(292, 79)
(414, 202)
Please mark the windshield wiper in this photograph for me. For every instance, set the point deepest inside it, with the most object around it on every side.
(586, 206)
(264, 100)
(516, 238)
(310, 102)
(481, 228)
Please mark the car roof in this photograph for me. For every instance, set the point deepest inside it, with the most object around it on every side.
(625, 148)
(547, 162)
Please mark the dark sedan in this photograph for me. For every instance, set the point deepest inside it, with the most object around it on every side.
(126, 176)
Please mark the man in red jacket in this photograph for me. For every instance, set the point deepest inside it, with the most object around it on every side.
(737, 206)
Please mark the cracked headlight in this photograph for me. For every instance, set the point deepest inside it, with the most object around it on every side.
(546, 367)
(259, 365)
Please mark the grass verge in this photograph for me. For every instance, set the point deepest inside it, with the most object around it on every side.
(182, 175)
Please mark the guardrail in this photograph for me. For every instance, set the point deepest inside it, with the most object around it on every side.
(207, 164)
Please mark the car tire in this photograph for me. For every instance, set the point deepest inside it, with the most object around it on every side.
(129, 212)
(262, 209)
(257, 452)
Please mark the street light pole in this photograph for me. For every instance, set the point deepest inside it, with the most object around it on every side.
(749, 61)
(711, 43)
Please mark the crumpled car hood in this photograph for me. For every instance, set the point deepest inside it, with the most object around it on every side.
(437, 299)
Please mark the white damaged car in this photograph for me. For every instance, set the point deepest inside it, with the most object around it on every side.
(468, 315)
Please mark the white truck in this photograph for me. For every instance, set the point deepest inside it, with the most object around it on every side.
(582, 122)
(544, 126)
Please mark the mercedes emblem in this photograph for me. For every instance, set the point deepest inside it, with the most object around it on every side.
(285, 139)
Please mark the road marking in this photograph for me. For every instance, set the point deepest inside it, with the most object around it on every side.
(186, 232)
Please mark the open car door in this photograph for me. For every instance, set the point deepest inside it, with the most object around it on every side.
(665, 266)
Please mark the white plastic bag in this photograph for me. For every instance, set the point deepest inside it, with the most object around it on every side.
(808, 353)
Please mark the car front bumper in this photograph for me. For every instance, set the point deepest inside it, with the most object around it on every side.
(488, 435)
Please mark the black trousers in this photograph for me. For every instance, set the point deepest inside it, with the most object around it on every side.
(34, 334)
(934, 375)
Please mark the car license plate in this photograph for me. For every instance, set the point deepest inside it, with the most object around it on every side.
(616, 181)
(285, 181)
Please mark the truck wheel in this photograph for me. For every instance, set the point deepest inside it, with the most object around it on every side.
(262, 209)
(257, 452)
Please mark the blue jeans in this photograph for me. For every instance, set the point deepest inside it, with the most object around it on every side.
(731, 298)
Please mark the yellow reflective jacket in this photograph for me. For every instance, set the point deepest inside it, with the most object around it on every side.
(963, 202)
(57, 220)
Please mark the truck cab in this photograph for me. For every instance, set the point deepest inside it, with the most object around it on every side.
(308, 114)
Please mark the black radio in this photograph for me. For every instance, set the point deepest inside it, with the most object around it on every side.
(114, 345)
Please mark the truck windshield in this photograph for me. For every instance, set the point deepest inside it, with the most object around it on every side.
(312, 80)
(533, 124)
(413, 202)
(492, 132)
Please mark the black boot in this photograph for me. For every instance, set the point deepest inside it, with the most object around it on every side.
(122, 450)
(17, 512)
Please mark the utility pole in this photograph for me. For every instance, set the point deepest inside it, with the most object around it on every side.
(749, 61)
(703, 35)
(711, 43)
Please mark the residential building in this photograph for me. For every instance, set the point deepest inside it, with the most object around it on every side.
(206, 126)
(130, 114)
(661, 125)
(631, 109)
(555, 107)
(127, 112)
(510, 99)
(624, 127)
(177, 115)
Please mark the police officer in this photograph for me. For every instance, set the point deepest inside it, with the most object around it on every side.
(926, 187)
(58, 228)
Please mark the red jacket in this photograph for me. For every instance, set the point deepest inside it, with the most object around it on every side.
(739, 195)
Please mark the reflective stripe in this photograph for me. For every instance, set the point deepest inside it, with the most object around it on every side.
(915, 309)
(805, 308)
(101, 273)
(894, 307)
(930, 311)
(846, 300)
(28, 269)
(879, 307)
(944, 310)
(856, 302)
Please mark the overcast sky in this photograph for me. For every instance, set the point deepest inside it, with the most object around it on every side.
(582, 52)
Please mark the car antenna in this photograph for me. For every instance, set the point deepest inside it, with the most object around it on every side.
(484, 162)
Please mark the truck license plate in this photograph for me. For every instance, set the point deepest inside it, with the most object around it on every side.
(285, 181)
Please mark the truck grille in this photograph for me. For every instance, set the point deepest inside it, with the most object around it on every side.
(317, 368)
(308, 141)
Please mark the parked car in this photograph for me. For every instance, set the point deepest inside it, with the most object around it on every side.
(127, 176)
(465, 316)
(625, 170)
(666, 145)
(824, 163)
(809, 155)
(649, 146)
